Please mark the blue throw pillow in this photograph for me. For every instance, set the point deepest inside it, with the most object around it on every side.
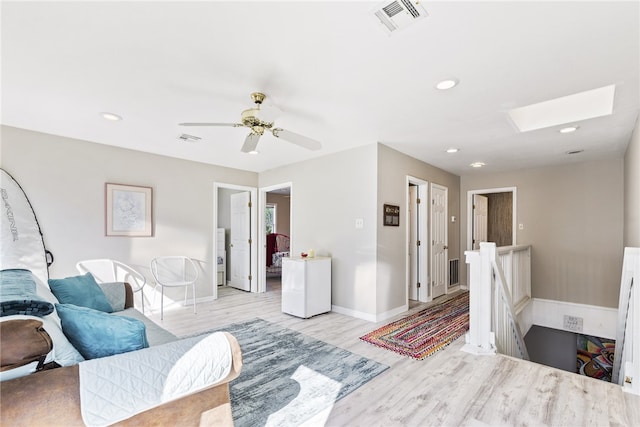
(97, 334)
(82, 291)
(18, 294)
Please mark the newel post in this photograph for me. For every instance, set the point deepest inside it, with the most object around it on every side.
(479, 339)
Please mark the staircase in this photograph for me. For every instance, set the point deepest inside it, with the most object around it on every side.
(626, 364)
(494, 323)
(500, 287)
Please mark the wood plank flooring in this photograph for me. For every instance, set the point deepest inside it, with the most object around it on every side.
(449, 388)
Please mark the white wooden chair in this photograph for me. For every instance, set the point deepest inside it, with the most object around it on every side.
(175, 271)
(109, 270)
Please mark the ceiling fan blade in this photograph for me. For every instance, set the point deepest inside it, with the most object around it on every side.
(235, 125)
(295, 138)
(250, 143)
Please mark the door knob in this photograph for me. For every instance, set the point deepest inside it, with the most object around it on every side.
(445, 247)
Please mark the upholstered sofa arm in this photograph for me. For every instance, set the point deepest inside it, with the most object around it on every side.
(53, 398)
(128, 295)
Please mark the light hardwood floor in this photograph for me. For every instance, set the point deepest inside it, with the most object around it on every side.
(449, 388)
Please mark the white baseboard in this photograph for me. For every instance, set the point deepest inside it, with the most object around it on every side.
(597, 321)
(368, 316)
(452, 289)
(354, 313)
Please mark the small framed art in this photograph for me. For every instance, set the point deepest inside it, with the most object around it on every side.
(128, 210)
(391, 215)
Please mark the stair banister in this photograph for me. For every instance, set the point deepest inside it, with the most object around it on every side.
(519, 348)
(479, 338)
(626, 365)
(493, 324)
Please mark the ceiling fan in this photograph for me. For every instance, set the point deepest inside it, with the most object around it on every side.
(259, 120)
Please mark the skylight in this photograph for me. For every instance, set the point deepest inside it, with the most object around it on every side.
(567, 109)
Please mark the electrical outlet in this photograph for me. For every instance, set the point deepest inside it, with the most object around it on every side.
(359, 223)
(572, 323)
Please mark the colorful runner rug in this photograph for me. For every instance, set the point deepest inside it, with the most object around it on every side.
(423, 333)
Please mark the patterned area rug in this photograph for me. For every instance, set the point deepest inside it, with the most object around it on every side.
(595, 356)
(423, 333)
(288, 378)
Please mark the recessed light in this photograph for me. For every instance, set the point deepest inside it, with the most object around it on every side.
(254, 152)
(446, 84)
(574, 152)
(453, 150)
(569, 129)
(476, 164)
(111, 116)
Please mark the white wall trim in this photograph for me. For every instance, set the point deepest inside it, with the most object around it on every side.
(262, 204)
(423, 194)
(368, 316)
(254, 233)
(354, 313)
(170, 305)
(597, 321)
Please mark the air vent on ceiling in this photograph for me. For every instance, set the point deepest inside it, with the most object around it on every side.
(189, 138)
(397, 14)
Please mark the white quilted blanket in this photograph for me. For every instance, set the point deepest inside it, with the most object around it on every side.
(115, 388)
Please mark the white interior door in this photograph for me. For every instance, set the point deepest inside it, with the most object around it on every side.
(240, 241)
(439, 239)
(480, 219)
(414, 249)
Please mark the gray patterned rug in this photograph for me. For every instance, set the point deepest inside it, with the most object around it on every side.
(288, 378)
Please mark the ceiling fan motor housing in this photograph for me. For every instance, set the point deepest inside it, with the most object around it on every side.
(251, 119)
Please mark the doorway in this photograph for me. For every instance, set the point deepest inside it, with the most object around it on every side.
(492, 217)
(439, 240)
(240, 241)
(243, 264)
(416, 248)
(275, 231)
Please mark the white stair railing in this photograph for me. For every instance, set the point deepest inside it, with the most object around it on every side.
(626, 363)
(493, 324)
(516, 264)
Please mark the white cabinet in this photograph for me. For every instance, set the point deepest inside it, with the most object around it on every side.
(306, 286)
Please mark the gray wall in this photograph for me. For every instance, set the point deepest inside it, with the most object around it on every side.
(573, 218)
(632, 190)
(573, 215)
(64, 179)
(393, 168)
(328, 194)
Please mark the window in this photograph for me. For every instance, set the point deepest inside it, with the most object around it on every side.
(270, 218)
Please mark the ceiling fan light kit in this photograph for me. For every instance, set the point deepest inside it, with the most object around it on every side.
(258, 121)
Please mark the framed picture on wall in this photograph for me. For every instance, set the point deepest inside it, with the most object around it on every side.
(391, 215)
(128, 210)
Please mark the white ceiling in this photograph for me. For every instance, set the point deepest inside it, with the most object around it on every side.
(330, 68)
